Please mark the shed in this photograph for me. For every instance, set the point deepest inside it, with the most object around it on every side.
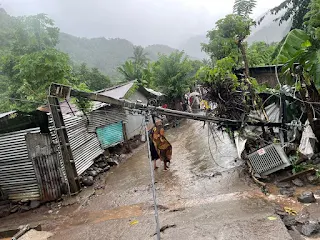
(264, 74)
(132, 92)
(29, 161)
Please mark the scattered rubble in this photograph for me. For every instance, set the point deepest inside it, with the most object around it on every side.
(298, 182)
(307, 197)
(289, 192)
(310, 228)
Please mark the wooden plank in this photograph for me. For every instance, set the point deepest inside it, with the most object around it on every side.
(311, 170)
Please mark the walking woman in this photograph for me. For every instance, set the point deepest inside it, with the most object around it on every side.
(153, 150)
(161, 144)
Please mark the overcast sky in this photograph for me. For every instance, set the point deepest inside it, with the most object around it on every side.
(142, 22)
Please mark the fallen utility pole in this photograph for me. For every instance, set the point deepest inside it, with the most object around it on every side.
(62, 91)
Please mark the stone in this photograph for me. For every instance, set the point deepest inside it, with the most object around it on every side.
(102, 165)
(307, 197)
(287, 191)
(34, 204)
(298, 182)
(289, 220)
(88, 181)
(24, 208)
(283, 185)
(113, 161)
(99, 170)
(310, 227)
(50, 211)
(312, 178)
(14, 209)
(92, 173)
(107, 168)
(303, 216)
(4, 212)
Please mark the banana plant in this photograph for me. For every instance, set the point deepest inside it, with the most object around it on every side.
(300, 48)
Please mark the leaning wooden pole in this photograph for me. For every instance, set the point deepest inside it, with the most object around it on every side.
(62, 91)
(67, 157)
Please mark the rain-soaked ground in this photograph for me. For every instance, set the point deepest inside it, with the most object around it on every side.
(205, 194)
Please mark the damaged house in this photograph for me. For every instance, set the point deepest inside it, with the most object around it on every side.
(30, 159)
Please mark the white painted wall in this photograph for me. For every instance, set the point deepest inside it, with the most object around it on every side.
(135, 124)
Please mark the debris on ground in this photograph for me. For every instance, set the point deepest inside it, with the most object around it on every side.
(310, 227)
(36, 235)
(177, 209)
(307, 197)
(298, 182)
(162, 229)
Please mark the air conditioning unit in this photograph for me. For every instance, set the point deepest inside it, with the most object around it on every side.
(269, 159)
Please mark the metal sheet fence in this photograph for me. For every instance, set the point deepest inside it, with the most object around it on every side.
(17, 174)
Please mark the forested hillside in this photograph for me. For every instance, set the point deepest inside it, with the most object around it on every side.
(105, 54)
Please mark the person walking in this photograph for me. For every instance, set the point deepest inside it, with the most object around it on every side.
(162, 145)
(153, 150)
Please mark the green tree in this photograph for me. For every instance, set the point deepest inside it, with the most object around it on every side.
(31, 74)
(228, 38)
(34, 33)
(244, 7)
(93, 78)
(294, 9)
(31, 63)
(172, 75)
(261, 54)
(140, 57)
(130, 71)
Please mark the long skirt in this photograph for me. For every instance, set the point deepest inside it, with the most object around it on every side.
(154, 153)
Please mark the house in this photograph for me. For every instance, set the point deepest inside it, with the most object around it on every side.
(31, 166)
(130, 91)
(29, 162)
(263, 74)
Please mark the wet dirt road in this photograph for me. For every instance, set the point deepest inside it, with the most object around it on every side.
(205, 194)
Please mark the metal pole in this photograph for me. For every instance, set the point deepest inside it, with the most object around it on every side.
(156, 215)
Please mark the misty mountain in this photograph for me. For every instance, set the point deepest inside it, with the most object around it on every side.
(105, 54)
(268, 30)
(192, 46)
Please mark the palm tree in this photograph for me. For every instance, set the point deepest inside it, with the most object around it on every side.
(130, 71)
(140, 57)
(244, 7)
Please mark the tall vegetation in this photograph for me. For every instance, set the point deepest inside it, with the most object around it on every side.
(293, 9)
(173, 75)
(30, 63)
(228, 37)
(302, 47)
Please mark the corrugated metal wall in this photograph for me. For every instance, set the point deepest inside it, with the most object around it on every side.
(85, 146)
(103, 117)
(45, 160)
(17, 175)
(110, 135)
(83, 139)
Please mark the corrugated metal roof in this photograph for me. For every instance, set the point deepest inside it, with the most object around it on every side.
(6, 114)
(153, 92)
(118, 91)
